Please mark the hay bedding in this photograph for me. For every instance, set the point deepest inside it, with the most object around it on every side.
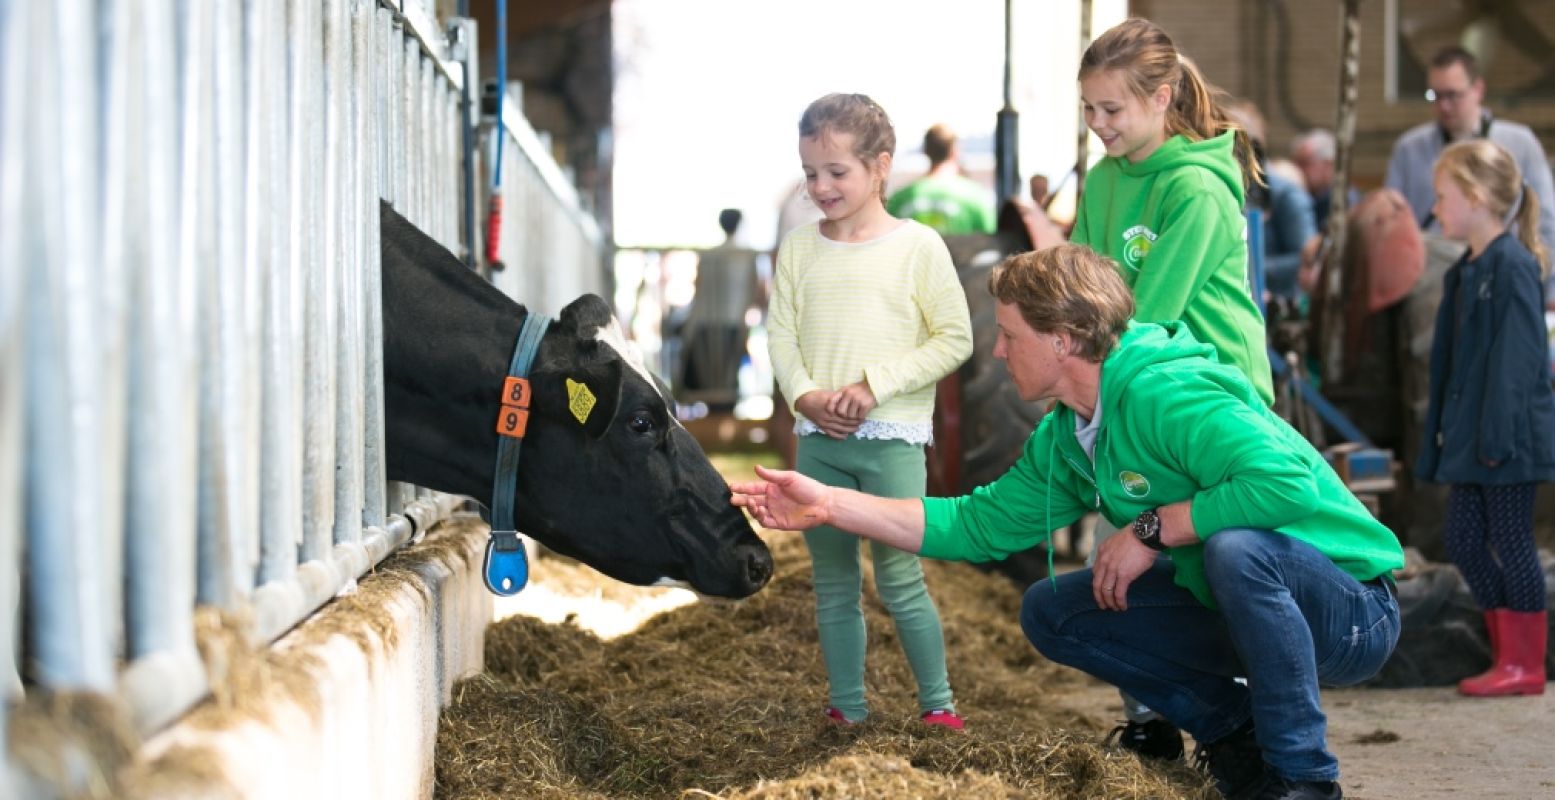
(724, 701)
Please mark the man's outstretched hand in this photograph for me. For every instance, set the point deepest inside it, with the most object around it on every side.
(783, 499)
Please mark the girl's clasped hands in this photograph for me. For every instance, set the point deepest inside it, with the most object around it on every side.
(838, 413)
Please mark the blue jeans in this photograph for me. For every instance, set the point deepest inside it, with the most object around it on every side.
(1288, 619)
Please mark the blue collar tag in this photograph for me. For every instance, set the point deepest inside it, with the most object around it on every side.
(506, 566)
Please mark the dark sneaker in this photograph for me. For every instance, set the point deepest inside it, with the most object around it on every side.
(1276, 788)
(1235, 761)
(1154, 739)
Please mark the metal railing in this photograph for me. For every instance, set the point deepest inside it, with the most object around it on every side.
(190, 317)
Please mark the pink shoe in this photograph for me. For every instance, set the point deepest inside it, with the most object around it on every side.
(835, 717)
(945, 717)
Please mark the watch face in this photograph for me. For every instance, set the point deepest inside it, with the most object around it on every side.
(1147, 527)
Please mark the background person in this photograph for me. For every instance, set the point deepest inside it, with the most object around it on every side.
(1314, 152)
(1457, 96)
(944, 199)
(715, 330)
(866, 315)
(1287, 209)
(1248, 556)
(1490, 427)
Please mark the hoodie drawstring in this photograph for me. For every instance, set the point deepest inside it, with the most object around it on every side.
(1052, 445)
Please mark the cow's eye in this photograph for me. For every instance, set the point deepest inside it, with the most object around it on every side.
(640, 422)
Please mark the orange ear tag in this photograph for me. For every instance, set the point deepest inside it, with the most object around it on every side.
(514, 419)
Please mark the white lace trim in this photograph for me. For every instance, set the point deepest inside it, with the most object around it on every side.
(909, 432)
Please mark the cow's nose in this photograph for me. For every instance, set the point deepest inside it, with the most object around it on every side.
(758, 566)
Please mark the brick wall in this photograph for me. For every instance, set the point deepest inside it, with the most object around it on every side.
(1239, 45)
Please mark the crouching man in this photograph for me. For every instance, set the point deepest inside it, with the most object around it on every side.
(1249, 557)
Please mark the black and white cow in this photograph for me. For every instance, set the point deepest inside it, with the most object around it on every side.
(625, 489)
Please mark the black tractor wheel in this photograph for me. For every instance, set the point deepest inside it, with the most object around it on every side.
(982, 411)
(995, 421)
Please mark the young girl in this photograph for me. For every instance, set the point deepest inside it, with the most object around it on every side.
(866, 316)
(1490, 426)
(1166, 206)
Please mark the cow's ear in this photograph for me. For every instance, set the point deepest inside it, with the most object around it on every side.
(592, 394)
(585, 315)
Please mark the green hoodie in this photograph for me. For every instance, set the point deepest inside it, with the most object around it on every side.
(1172, 421)
(1174, 225)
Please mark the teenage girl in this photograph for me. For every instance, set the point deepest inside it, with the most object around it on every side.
(1166, 202)
(866, 316)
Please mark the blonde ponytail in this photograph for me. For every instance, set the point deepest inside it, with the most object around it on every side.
(1528, 229)
(1198, 111)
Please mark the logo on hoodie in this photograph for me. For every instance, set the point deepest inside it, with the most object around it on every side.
(1136, 245)
(1134, 484)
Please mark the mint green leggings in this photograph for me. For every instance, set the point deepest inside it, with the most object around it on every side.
(887, 468)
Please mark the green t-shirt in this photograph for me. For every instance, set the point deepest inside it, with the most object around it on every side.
(951, 205)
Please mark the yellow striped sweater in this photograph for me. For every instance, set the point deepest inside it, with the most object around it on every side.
(890, 309)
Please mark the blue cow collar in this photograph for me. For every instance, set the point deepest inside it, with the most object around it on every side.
(505, 567)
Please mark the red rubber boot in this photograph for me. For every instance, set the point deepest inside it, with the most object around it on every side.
(1520, 641)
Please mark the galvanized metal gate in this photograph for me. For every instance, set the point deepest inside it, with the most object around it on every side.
(190, 331)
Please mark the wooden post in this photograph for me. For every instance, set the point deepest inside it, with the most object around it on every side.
(1331, 292)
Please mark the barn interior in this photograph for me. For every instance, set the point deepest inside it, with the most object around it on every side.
(227, 639)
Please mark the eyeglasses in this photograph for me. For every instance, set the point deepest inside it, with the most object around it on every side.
(1446, 95)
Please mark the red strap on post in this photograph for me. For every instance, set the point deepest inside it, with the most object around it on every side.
(494, 230)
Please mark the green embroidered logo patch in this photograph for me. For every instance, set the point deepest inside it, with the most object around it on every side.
(1136, 246)
(1134, 484)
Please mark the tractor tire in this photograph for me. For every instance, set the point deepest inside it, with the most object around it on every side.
(995, 421)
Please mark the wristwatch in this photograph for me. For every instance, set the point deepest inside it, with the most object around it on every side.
(1147, 529)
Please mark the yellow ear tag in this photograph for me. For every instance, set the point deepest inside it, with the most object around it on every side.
(580, 401)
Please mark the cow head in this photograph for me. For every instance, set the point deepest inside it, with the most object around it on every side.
(608, 476)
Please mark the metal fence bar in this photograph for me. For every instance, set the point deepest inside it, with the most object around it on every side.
(375, 499)
(229, 308)
(369, 405)
(164, 676)
(452, 172)
(394, 128)
(161, 358)
(432, 156)
(349, 266)
(409, 82)
(448, 232)
(321, 295)
(393, 120)
(71, 626)
(12, 372)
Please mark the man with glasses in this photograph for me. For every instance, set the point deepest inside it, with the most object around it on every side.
(1457, 94)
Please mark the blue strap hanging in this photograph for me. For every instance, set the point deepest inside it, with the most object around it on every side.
(506, 567)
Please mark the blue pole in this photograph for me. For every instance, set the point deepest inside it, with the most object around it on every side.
(502, 85)
(1255, 258)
